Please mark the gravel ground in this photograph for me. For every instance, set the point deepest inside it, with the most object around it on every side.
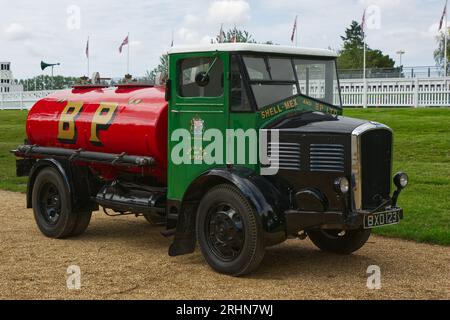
(126, 258)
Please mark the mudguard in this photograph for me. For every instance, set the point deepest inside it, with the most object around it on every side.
(38, 166)
(76, 182)
(265, 198)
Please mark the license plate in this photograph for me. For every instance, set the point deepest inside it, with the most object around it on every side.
(381, 219)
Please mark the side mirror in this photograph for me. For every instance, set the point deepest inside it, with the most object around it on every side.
(168, 90)
(202, 79)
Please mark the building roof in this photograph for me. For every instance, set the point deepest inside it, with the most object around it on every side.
(252, 47)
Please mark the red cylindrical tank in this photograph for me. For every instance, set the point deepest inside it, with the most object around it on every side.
(111, 120)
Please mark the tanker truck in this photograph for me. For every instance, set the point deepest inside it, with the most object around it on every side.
(242, 147)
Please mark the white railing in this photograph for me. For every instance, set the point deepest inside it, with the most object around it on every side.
(21, 100)
(402, 92)
(415, 93)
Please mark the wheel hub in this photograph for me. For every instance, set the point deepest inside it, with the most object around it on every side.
(50, 203)
(225, 232)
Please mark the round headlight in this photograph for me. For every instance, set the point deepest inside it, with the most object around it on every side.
(342, 185)
(401, 180)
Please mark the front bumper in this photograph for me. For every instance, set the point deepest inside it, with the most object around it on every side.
(297, 221)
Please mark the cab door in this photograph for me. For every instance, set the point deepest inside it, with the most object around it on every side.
(198, 103)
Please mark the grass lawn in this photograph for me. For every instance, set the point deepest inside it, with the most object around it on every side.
(12, 133)
(422, 149)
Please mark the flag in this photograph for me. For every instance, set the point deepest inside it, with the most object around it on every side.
(221, 35)
(294, 30)
(124, 43)
(444, 14)
(87, 48)
(363, 22)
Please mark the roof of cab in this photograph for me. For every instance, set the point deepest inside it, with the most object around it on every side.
(253, 47)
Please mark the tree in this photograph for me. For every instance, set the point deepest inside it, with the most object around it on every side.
(352, 54)
(439, 56)
(236, 35)
(354, 37)
(45, 82)
(163, 68)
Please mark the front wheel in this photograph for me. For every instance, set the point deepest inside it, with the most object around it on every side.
(338, 241)
(228, 232)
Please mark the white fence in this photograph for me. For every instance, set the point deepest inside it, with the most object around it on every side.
(402, 92)
(416, 93)
(21, 100)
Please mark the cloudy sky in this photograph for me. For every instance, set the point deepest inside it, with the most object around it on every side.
(56, 31)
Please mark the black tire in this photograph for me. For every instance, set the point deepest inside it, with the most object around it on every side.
(52, 207)
(228, 232)
(83, 220)
(340, 242)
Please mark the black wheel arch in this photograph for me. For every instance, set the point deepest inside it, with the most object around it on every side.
(75, 178)
(268, 202)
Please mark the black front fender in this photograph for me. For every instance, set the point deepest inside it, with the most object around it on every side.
(267, 201)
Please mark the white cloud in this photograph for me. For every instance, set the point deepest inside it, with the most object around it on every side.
(192, 21)
(229, 11)
(34, 50)
(17, 32)
(196, 29)
(34, 33)
(188, 35)
(433, 30)
(137, 46)
(385, 3)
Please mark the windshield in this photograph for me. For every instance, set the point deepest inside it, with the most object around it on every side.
(273, 79)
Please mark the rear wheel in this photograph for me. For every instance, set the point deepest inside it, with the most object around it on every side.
(338, 241)
(228, 232)
(52, 207)
(82, 223)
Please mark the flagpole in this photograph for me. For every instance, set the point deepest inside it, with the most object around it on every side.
(445, 41)
(296, 31)
(364, 61)
(88, 58)
(128, 54)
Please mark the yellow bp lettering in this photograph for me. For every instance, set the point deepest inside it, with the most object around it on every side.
(102, 120)
(67, 130)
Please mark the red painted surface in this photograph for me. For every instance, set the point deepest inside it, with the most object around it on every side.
(138, 129)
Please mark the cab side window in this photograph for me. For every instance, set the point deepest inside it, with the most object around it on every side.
(190, 68)
(238, 99)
